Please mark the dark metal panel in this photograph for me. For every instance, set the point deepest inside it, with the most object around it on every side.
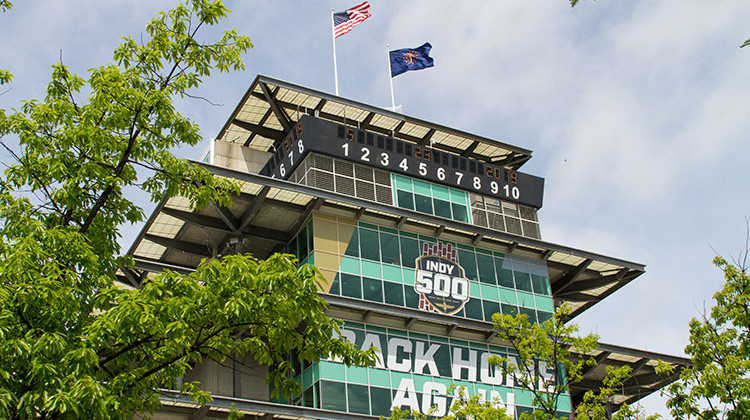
(184, 246)
(413, 215)
(259, 129)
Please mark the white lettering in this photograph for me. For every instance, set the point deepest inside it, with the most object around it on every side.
(393, 363)
(406, 396)
(488, 373)
(422, 359)
(423, 282)
(440, 267)
(442, 285)
(373, 340)
(460, 364)
(438, 400)
(509, 404)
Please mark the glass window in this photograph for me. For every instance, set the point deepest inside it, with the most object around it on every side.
(442, 208)
(292, 248)
(490, 308)
(369, 244)
(405, 199)
(523, 280)
(459, 213)
(466, 260)
(336, 286)
(486, 269)
(422, 187)
(351, 286)
(506, 278)
(544, 316)
(474, 309)
(381, 401)
(530, 313)
(412, 298)
(373, 289)
(423, 203)
(333, 395)
(403, 183)
(308, 397)
(443, 361)
(302, 244)
(389, 248)
(409, 251)
(541, 284)
(394, 293)
(310, 246)
(353, 248)
(359, 399)
(509, 309)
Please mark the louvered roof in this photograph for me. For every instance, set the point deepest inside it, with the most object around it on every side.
(270, 108)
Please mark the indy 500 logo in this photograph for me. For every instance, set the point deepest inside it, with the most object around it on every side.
(440, 281)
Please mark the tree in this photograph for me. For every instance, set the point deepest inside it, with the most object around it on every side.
(547, 360)
(717, 386)
(5, 75)
(551, 356)
(74, 344)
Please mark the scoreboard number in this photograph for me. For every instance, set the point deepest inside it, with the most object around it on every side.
(403, 157)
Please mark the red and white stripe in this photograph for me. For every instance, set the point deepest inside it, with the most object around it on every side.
(357, 15)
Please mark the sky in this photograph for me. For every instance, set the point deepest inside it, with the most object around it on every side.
(635, 111)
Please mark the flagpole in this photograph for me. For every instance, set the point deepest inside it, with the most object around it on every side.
(390, 78)
(335, 68)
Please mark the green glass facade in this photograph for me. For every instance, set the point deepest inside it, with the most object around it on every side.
(415, 372)
(379, 264)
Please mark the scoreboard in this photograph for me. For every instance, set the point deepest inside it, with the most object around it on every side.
(312, 134)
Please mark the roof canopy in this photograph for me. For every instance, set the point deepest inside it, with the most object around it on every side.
(269, 212)
(270, 108)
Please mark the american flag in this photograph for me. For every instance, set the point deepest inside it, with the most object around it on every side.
(343, 22)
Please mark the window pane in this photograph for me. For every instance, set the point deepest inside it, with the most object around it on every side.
(373, 289)
(381, 401)
(490, 308)
(351, 286)
(302, 244)
(486, 269)
(359, 399)
(412, 298)
(459, 213)
(442, 208)
(443, 361)
(523, 280)
(310, 246)
(474, 309)
(544, 316)
(405, 199)
(466, 260)
(509, 309)
(506, 278)
(308, 398)
(389, 248)
(333, 395)
(409, 251)
(541, 284)
(336, 286)
(530, 313)
(352, 249)
(292, 248)
(369, 244)
(423, 204)
(394, 293)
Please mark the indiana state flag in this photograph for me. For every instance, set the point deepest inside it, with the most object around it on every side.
(410, 59)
